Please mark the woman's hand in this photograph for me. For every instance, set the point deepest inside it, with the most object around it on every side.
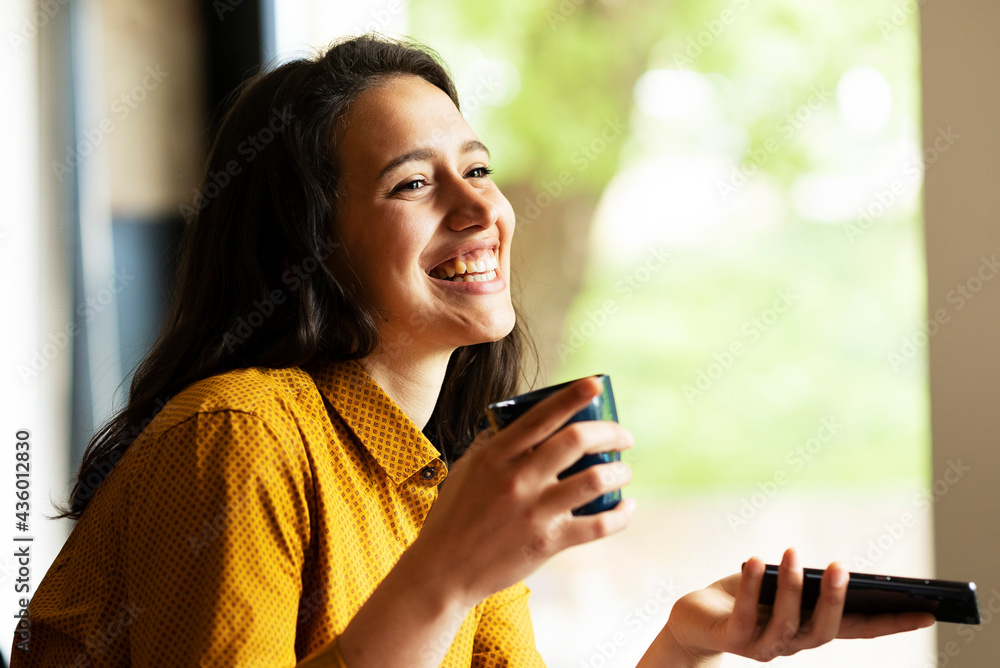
(502, 511)
(725, 617)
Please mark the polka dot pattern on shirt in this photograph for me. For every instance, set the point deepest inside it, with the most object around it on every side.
(247, 525)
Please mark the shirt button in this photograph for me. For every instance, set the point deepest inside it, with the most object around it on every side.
(428, 472)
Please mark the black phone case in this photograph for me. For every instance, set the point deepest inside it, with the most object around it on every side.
(948, 601)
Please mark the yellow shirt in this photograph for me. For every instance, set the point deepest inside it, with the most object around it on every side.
(245, 527)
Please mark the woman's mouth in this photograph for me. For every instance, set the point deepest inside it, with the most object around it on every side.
(475, 267)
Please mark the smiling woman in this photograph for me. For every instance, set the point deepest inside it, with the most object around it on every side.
(306, 489)
(425, 228)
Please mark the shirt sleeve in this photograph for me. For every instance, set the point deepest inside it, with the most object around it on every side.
(217, 533)
(504, 636)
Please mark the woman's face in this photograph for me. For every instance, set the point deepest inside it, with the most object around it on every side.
(425, 228)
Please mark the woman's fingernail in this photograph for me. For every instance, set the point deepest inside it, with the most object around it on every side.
(790, 559)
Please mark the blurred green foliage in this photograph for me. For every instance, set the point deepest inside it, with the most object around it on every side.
(826, 357)
(760, 407)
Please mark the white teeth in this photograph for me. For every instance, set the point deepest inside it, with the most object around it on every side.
(479, 268)
(476, 278)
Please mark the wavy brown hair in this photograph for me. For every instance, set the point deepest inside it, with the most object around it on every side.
(261, 281)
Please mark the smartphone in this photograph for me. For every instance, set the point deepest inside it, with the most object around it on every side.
(948, 601)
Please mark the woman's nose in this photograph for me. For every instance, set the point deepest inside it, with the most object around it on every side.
(470, 207)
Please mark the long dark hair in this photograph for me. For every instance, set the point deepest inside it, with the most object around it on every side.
(260, 282)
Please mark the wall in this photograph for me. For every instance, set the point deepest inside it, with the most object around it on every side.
(153, 89)
(961, 95)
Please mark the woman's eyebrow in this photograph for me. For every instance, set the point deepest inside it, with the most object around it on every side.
(427, 153)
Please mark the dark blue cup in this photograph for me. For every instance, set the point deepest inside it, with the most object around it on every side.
(601, 407)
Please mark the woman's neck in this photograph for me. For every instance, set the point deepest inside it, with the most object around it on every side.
(413, 382)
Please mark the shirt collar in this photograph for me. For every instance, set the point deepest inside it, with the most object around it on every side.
(391, 437)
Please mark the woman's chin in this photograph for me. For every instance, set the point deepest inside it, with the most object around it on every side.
(504, 326)
(494, 330)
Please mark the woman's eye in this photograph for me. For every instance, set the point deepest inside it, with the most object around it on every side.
(480, 172)
(416, 184)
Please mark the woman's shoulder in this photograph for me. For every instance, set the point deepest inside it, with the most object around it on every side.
(279, 398)
(250, 418)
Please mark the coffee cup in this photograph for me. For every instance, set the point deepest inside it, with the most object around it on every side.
(601, 407)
